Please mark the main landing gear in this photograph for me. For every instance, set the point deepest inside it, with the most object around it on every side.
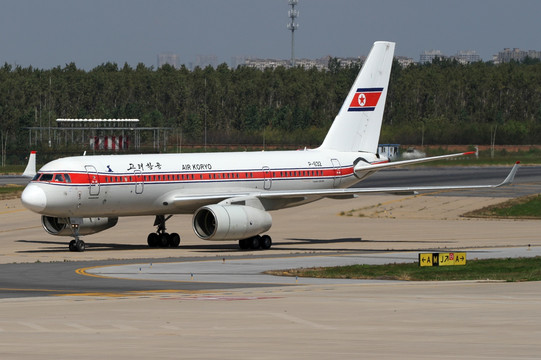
(161, 238)
(256, 242)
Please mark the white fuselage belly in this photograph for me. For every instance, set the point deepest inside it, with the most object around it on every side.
(129, 185)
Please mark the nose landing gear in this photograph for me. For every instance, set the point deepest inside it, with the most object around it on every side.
(76, 244)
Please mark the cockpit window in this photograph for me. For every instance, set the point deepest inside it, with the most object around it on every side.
(67, 177)
(59, 178)
(46, 177)
(36, 177)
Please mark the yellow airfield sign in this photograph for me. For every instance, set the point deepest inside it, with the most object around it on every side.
(442, 259)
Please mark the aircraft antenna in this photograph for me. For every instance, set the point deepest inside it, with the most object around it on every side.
(292, 26)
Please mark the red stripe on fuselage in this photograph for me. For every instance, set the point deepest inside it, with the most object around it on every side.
(80, 178)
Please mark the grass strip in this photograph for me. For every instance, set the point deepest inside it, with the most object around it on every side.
(527, 207)
(510, 269)
(10, 191)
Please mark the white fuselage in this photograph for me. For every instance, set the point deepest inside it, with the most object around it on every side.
(129, 185)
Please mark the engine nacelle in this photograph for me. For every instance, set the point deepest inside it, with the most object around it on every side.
(230, 222)
(61, 227)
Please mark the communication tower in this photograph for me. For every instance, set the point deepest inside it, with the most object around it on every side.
(292, 13)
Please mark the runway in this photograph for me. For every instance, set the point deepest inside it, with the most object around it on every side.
(527, 181)
(13, 180)
(120, 299)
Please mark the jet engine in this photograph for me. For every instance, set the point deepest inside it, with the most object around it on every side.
(61, 226)
(230, 222)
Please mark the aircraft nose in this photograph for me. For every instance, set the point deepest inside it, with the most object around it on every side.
(33, 198)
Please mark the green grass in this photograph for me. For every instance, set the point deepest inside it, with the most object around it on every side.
(10, 191)
(528, 207)
(12, 169)
(531, 207)
(520, 269)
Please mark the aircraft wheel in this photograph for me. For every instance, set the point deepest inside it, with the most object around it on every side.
(72, 246)
(266, 242)
(174, 240)
(244, 244)
(152, 240)
(163, 240)
(80, 246)
(255, 242)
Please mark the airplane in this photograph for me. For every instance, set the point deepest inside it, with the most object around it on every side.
(229, 194)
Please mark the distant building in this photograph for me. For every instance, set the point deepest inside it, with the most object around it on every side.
(170, 59)
(206, 60)
(263, 64)
(237, 61)
(320, 63)
(429, 55)
(404, 61)
(467, 56)
(515, 54)
(390, 151)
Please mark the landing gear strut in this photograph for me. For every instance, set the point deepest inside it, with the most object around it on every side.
(161, 238)
(76, 244)
(256, 242)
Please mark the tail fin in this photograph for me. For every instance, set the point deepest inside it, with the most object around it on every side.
(358, 124)
(30, 170)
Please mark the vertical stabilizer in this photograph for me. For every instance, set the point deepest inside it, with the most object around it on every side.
(358, 124)
(30, 170)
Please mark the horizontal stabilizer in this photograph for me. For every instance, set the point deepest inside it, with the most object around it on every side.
(362, 168)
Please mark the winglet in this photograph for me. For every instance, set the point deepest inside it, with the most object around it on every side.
(30, 170)
(509, 179)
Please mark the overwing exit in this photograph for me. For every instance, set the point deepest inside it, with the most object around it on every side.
(229, 194)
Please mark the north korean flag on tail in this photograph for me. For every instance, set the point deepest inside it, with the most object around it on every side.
(365, 99)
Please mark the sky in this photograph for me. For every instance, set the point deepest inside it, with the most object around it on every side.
(46, 34)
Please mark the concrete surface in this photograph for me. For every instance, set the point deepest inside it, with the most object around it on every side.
(371, 321)
(376, 223)
(474, 320)
(252, 271)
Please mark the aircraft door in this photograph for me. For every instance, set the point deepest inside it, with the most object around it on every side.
(267, 178)
(139, 183)
(337, 172)
(93, 180)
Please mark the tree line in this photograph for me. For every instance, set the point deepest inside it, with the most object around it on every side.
(444, 102)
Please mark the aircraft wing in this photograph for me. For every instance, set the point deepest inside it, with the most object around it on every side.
(271, 199)
(354, 191)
